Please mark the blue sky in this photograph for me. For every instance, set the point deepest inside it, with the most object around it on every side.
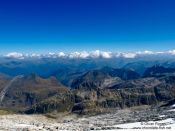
(76, 25)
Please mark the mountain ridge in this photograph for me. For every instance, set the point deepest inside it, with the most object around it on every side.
(93, 91)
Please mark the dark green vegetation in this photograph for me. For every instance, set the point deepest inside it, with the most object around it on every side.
(91, 92)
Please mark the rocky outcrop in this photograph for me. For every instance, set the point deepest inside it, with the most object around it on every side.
(145, 91)
(103, 78)
(95, 79)
(61, 102)
(33, 94)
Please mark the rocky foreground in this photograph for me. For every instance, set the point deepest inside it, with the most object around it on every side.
(132, 118)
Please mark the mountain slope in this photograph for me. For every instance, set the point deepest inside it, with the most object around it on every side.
(4, 79)
(158, 71)
(28, 90)
(104, 77)
(94, 79)
(145, 91)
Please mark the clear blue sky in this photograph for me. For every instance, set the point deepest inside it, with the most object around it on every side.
(69, 25)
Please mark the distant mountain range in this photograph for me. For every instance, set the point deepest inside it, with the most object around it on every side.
(158, 71)
(66, 69)
(91, 85)
(84, 85)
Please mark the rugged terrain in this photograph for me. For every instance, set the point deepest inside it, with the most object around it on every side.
(144, 117)
(93, 92)
(96, 99)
